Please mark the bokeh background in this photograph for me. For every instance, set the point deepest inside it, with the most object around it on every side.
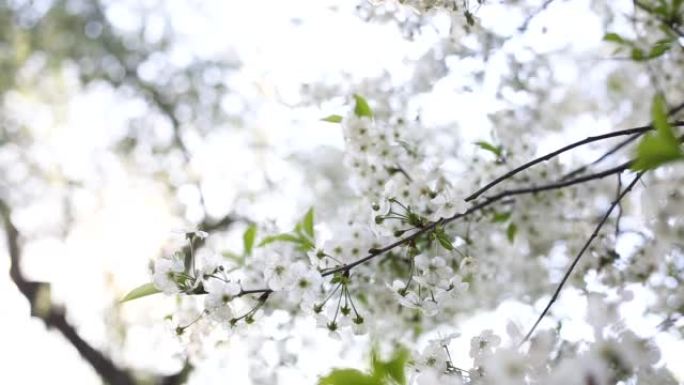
(124, 123)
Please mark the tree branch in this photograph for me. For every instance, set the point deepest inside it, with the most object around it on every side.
(54, 316)
(534, 14)
(636, 131)
(486, 202)
(579, 256)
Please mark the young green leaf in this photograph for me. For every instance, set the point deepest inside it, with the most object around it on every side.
(332, 118)
(653, 151)
(349, 377)
(394, 369)
(141, 291)
(659, 48)
(362, 108)
(248, 239)
(280, 238)
(614, 38)
(511, 232)
(308, 223)
(496, 150)
(501, 217)
(661, 146)
(443, 239)
(659, 117)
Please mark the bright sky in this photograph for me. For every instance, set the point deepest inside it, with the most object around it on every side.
(282, 45)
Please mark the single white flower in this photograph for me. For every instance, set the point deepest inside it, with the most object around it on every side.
(166, 273)
(217, 301)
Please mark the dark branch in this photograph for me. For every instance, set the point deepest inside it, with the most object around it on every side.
(603, 157)
(534, 14)
(486, 202)
(579, 255)
(630, 131)
(54, 316)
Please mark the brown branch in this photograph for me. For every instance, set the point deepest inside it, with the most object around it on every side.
(54, 316)
(615, 203)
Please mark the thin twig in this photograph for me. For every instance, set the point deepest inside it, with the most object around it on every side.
(603, 157)
(486, 202)
(555, 153)
(534, 14)
(579, 256)
(636, 131)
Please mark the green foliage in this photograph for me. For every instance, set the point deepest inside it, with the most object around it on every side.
(362, 108)
(141, 291)
(658, 147)
(442, 238)
(348, 377)
(496, 150)
(501, 217)
(614, 38)
(248, 239)
(637, 53)
(511, 232)
(392, 371)
(302, 235)
(332, 118)
(308, 223)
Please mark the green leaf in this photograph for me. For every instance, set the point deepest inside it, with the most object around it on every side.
(638, 54)
(501, 217)
(348, 377)
(511, 232)
(659, 117)
(661, 146)
(141, 291)
(659, 48)
(394, 368)
(308, 223)
(280, 238)
(362, 108)
(614, 38)
(248, 239)
(496, 150)
(240, 259)
(332, 118)
(443, 239)
(653, 151)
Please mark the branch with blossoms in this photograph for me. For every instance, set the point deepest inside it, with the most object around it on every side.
(412, 209)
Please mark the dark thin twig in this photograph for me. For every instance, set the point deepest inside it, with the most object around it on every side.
(579, 255)
(603, 157)
(486, 202)
(554, 154)
(534, 14)
(622, 144)
(636, 131)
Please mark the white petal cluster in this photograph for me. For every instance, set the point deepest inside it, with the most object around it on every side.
(167, 273)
